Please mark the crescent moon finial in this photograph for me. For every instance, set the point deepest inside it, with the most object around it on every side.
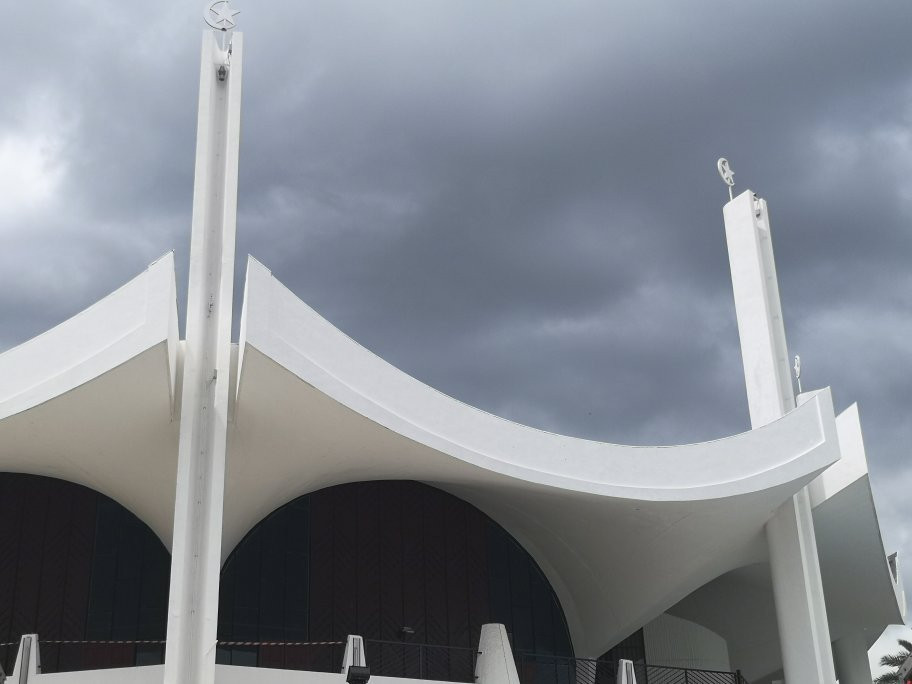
(727, 175)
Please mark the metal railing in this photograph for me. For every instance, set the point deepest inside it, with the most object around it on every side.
(311, 656)
(534, 668)
(420, 661)
(678, 675)
(73, 655)
(385, 658)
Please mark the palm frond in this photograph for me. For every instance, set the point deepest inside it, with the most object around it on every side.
(893, 659)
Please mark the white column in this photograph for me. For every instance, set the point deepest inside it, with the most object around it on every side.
(495, 664)
(196, 552)
(767, 373)
(851, 656)
(804, 634)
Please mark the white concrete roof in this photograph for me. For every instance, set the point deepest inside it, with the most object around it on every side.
(90, 401)
(622, 532)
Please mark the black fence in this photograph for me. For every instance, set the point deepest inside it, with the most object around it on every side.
(385, 658)
(420, 661)
(75, 655)
(675, 675)
(534, 668)
(312, 656)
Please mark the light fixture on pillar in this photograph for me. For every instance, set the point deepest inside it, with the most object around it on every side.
(405, 632)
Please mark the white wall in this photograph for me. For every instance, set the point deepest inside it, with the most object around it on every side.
(675, 642)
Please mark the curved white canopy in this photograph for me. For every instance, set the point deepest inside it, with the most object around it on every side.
(622, 532)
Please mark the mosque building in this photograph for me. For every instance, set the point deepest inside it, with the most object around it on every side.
(291, 508)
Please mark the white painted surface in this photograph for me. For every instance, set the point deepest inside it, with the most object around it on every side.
(200, 485)
(354, 653)
(626, 672)
(495, 664)
(147, 674)
(850, 654)
(800, 608)
(28, 660)
(764, 351)
(90, 401)
(853, 462)
(139, 315)
(287, 331)
(804, 633)
(674, 642)
(683, 514)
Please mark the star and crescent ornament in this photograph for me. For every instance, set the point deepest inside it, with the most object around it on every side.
(219, 15)
(725, 171)
(726, 174)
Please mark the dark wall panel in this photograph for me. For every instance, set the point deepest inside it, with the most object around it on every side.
(75, 565)
(393, 561)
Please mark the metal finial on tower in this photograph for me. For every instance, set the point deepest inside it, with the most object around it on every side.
(219, 15)
(797, 368)
(727, 175)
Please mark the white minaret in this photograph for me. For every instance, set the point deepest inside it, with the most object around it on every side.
(196, 551)
(804, 634)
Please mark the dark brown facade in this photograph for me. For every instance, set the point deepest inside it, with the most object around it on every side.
(403, 564)
(392, 561)
(76, 566)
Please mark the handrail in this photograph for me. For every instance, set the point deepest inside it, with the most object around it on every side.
(601, 671)
(416, 660)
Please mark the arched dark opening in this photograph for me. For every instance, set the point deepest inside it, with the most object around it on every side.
(76, 565)
(396, 561)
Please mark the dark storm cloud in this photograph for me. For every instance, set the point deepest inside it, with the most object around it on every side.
(515, 202)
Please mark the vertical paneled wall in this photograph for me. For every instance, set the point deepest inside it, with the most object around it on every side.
(372, 558)
(75, 566)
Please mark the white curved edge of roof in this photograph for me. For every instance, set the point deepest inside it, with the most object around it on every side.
(281, 326)
(133, 318)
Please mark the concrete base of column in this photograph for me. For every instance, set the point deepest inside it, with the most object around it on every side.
(804, 634)
(851, 658)
(495, 664)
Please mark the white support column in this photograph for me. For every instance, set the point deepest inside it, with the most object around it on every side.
(495, 664)
(28, 661)
(196, 552)
(851, 656)
(804, 634)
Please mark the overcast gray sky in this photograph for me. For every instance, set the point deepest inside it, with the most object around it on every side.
(514, 201)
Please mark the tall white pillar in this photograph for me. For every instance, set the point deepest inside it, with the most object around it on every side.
(196, 552)
(851, 656)
(804, 634)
